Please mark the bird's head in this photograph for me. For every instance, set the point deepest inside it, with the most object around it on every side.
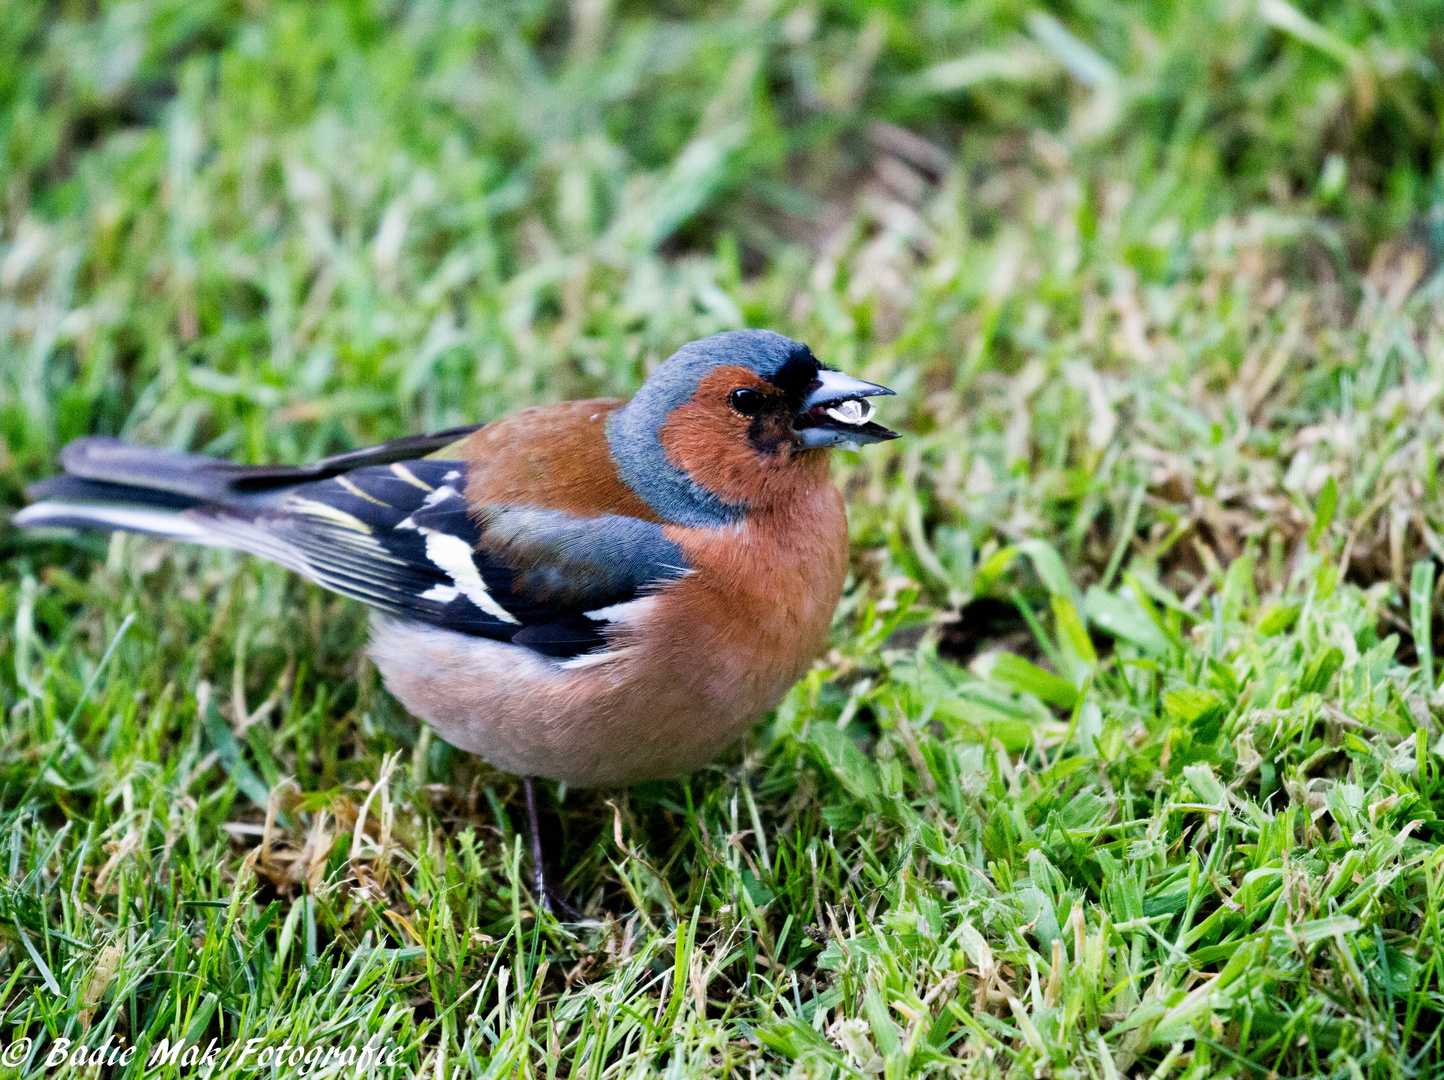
(734, 422)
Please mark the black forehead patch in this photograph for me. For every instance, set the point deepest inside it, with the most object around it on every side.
(795, 375)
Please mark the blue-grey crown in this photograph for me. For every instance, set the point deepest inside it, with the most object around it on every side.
(632, 431)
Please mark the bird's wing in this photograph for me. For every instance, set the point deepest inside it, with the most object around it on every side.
(401, 538)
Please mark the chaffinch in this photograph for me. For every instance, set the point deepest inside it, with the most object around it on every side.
(599, 592)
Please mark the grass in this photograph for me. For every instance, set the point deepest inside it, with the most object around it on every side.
(1126, 758)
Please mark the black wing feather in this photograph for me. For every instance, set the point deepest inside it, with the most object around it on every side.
(392, 536)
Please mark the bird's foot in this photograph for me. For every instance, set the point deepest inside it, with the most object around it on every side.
(554, 901)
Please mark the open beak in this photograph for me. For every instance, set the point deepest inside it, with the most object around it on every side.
(836, 413)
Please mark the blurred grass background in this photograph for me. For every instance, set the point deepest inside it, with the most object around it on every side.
(1126, 759)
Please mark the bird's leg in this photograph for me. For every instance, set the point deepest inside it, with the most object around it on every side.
(551, 900)
(533, 822)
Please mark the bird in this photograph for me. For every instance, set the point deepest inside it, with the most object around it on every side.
(597, 592)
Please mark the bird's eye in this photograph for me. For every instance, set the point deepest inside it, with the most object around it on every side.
(747, 402)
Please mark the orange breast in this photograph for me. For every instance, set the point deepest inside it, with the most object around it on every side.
(756, 610)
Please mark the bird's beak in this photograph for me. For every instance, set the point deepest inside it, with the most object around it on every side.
(836, 413)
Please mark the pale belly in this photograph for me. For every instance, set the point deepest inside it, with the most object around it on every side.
(611, 724)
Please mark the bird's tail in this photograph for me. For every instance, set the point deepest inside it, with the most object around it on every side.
(100, 506)
(110, 484)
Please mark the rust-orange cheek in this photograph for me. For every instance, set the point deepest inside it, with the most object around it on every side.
(711, 442)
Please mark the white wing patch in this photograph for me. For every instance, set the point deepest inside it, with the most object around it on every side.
(453, 555)
(592, 659)
(625, 612)
(437, 495)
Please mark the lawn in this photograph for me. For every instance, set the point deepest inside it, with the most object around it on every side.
(1125, 760)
